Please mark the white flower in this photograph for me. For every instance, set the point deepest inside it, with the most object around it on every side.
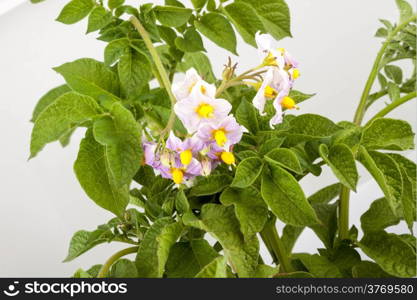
(271, 56)
(192, 84)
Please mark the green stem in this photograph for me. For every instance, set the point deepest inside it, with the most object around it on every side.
(163, 75)
(359, 115)
(270, 235)
(360, 112)
(106, 267)
(344, 213)
(393, 105)
(238, 80)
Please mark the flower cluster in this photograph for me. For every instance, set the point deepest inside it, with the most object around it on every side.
(281, 72)
(212, 132)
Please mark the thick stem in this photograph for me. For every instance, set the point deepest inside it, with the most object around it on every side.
(106, 267)
(393, 105)
(360, 113)
(344, 213)
(163, 75)
(273, 241)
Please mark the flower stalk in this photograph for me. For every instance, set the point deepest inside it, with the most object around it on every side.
(107, 265)
(162, 74)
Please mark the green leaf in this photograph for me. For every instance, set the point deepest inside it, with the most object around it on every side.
(181, 202)
(115, 49)
(186, 259)
(201, 63)
(378, 216)
(215, 269)
(36, 1)
(297, 274)
(167, 34)
(290, 235)
(319, 266)
(199, 4)
(80, 273)
(408, 199)
(245, 19)
(120, 134)
(210, 185)
(98, 19)
(115, 3)
(123, 268)
(83, 240)
(340, 159)
(300, 97)
(135, 72)
(49, 98)
(388, 134)
(67, 113)
(91, 170)
(218, 29)
(286, 198)
(367, 269)
(172, 16)
(326, 194)
(247, 172)
(250, 209)
(90, 77)
(286, 159)
(386, 173)
(395, 257)
(191, 42)
(408, 172)
(154, 249)
(326, 230)
(271, 144)
(222, 224)
(75, 11)
(406, 10)
(311, 127)
(394, 91)
(395, 73)
(275, 16)
(246, 116)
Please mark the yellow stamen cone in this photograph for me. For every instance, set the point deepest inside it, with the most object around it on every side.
(186, 157)
(288, 103)
(295, 73)
(228, 158)
(270, 92)
(220, 137)
(177, 175)
(205, 111)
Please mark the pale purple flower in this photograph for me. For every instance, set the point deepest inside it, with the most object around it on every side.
(225, 133)
(199, 109)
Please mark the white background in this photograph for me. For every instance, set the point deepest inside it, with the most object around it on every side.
(41, 203)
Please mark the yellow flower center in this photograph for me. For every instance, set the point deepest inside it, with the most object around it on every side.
(281, 50)
(270, 60)
(228, 158)
(288, 103)
(186, 157)
(295, 73)
(205, 111)
(203, 89)
(220, 137)
(270, 92)
(177, 175)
